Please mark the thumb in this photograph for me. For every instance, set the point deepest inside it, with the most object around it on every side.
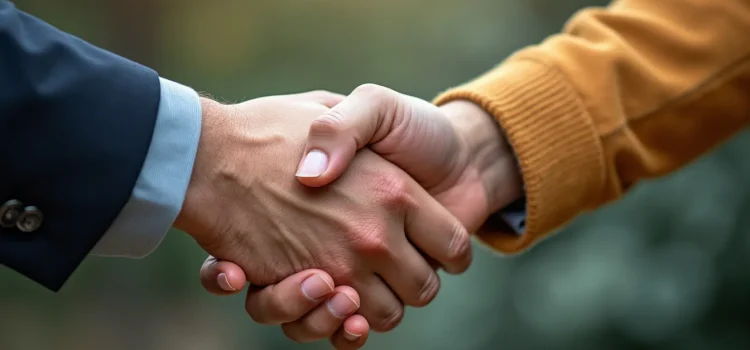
(363, 118)
(222, 277)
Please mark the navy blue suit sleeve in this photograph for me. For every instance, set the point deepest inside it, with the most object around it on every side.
(76, 122)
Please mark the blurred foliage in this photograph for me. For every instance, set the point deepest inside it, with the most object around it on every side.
(663, 269)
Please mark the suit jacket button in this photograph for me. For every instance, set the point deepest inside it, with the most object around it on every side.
(30, 220)
(9, 213)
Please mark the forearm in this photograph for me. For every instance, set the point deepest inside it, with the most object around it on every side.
(625, 93)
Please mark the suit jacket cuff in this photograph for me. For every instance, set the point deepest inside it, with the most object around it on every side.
(159, 192)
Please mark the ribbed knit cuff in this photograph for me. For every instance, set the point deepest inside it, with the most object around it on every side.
(558, 148)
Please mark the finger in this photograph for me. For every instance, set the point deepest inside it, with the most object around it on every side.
(353, 335)
(433, 263)
(437, 233)
(290, 299)
(222, 277)
(409, 275)
(382, 309)
(326, 318)
(334, 137)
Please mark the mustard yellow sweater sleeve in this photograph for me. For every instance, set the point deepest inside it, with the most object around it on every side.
(628, 92)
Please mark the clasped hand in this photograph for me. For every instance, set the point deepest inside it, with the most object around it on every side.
(385, 190)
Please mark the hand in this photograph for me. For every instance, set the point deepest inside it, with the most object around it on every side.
(456, 152)
(296, 303)
(244, 205)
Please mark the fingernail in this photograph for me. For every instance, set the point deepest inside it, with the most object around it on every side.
(351, 336)
(314, 164)
(224, 282)
(315, 287)
(341, 305)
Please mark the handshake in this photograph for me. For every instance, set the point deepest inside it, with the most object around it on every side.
(339, 210)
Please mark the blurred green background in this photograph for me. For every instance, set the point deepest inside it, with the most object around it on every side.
(666, 268)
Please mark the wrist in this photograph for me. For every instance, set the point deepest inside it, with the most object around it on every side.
(196, 190)
(488, 152)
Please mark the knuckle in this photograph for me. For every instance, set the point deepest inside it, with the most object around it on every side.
(391, 319)
(428, 291)
(373, 241)
(459, 249)
(392, 191)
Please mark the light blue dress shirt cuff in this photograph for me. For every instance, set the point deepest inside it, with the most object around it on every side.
(160, 189)
(516, 220)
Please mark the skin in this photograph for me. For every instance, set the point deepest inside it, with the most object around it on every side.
(373, 230)
(456, 152)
